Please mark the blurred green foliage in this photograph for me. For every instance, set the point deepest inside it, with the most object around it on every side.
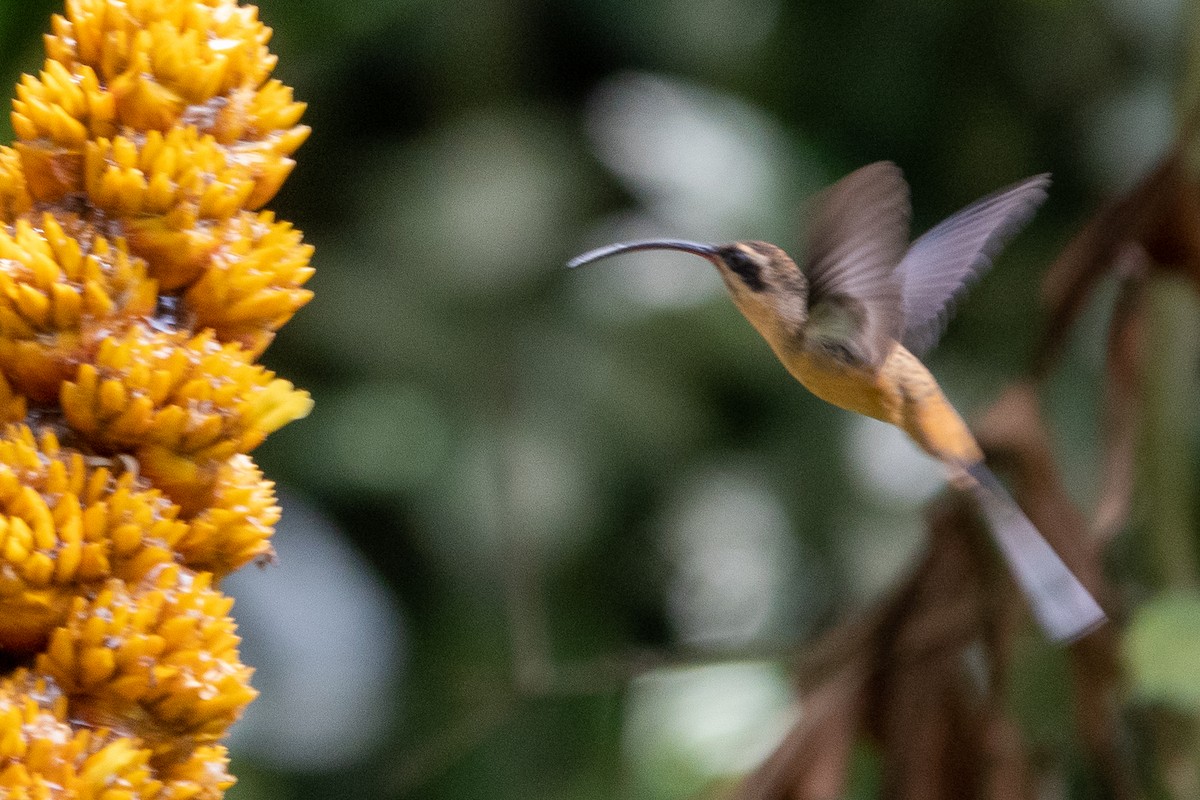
(552, 470)
(1163, 648)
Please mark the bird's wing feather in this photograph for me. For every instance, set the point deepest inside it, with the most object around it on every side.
(859, 234)
(946, 259)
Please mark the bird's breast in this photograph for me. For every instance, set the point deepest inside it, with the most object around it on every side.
(900, 391)
(860, 388)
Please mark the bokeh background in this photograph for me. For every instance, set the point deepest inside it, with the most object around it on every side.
(557, 535)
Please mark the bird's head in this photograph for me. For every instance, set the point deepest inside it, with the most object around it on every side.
(765, 284)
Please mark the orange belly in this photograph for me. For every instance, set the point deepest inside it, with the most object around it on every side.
(854, 389)
(902, 391)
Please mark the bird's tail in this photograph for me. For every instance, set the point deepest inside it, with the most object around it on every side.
(1060, 603)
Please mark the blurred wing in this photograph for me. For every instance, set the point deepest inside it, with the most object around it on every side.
(948, 257)
(859, 233)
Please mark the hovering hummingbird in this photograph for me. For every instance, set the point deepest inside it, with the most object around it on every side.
(850, 322)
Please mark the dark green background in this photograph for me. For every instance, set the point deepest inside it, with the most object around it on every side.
(549, 469)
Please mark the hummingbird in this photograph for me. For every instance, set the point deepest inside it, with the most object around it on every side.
(851, 321)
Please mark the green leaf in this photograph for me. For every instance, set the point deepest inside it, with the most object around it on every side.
(1162, 651)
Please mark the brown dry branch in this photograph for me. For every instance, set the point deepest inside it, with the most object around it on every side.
(811, 762)
(899, 676)
(1123, 399)
(907, 675)
(1159, 214)
(1014, 435)
(934, 716)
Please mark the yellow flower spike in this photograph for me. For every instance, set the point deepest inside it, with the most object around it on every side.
(252, 285)
(264, 162)
(157, 123)
(13, 406)
(49, 171)
(176, 244)
(15, 199)
(255, 113)
(175, 659)
(57, 301)
(191, 397)
(204, 774)
(57, 545)
(143, 103)
(168, 185)
(237, 522)
(198, 50)
(152, 175)
(185, 479)
(64, 108)
(37, 746)
(96, 665)
(43, 756)
(117, 772)
(37, 567)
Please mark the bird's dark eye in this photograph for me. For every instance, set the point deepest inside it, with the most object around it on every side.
(746, 267)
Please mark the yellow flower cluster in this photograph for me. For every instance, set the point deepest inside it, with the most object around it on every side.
(44, 756)
(159, 658)
(65, 527)
(63, 291)
(139, 282)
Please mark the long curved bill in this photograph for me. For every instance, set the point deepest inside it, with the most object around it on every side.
(706, 250)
